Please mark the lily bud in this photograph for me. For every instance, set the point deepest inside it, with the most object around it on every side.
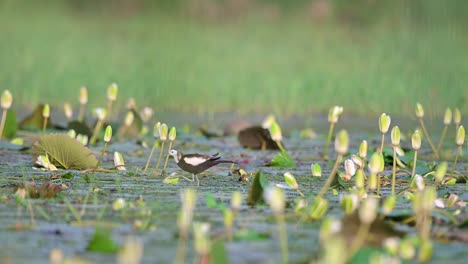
(416, 140)
(129, 117)
(363, 149)
(71, 133)
(419, 110)
(101, 113)
(67, 108)
(83, 139)
(236, 200)
(457, 116)
(447, 116)
(119, 162)
(395, 136)
(460, 136)
(384, 123)
(83, 95)
(372, 181)
(318, 208)
(360, 179)
(46, 111)
(118, 204)
(163, 132)
(349, 203)
(112, 91)
(334, 113)
(368, 210)
(382, 163)
(108, 134)
(389, 204)
(7, 99)
(316, 170)
(275, 197)
(172, 134)
(291, 181)
(269, 120)
(341, 142)
(156, 129)
(275, 131)
(374, 163)
(440, 171)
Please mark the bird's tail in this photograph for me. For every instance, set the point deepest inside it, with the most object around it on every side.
(227, 161)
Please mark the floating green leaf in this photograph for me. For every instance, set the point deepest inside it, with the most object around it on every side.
(256, 190)
(102, 241)
(64, 151)
(283, 160)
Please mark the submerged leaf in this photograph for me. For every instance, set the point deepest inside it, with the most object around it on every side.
(256, 190)
(283, 160)
(64, 152)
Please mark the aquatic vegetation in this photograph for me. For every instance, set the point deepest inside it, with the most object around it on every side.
(333, 115)
(395, 136)
(156, 134)
(172, 137)
(45, 115)
(420, 115)
(416, 144)
(162, 137)
(83, 99)
(107, 139)
(6, 101)
(459, 140)
(101, 115)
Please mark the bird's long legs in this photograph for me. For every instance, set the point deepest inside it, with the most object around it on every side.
(187, 179)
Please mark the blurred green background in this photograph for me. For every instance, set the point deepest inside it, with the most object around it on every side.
(297, 56)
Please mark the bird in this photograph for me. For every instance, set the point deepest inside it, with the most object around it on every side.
(196, 163)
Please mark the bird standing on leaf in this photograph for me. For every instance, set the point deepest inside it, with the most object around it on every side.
(196, 163)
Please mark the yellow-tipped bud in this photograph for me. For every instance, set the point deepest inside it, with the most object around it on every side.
(236, 200)
(163, 132)
(368, 210)
(341, 142)
(372, 182)
(275, 131)
(129, 117)
(108, 134)
(275, 198)
(389, 204)
(291, 180)
(83, 95)
(334, 113)
(316, 170)
(457, 116)
(83, 139)
(46, 111)
(172, 134)
(440, 171)
(447, 116)
(112, 91)
(7, 99)
(67, 108)
(395, 134)
(384, 123)
(71, 133)
(119, 162)
(119, 204)
(419, 110)
(374, 163)
(269, 120)
(363, 149)
(318, 208)
(156, 129)
(349, 203)
(101, 113)
(360, 179)
(460, 136)
(416, 140)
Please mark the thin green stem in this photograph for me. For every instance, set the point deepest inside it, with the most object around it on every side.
(180, 255)
(101, 156)
(167, 158)
(382, 143)
(331, 177)
(327, 145)
(44, 125)
(442, 138)
(283, 237)
(378, 184)
(428, 138)
(82, 111)
(159, 158)
(97, 129)
(394, 171)
(109, 110)
(459, 150)
(280, 146)
(150, 155)
(414, 164)
(2, 124)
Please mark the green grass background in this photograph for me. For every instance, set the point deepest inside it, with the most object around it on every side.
(386, 59)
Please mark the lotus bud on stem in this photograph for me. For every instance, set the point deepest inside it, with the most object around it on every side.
(420, 115)
(349, 203)
(292, 183)
(119, 162)
(341, 147)
(129, 118)
(440, 173)
(101, 116)
(228, 223)
(374, 169)
(384, 125)
(45, 115)
(395, 136)
(275, 198)
(277, 135)
(333, 116)
(68, 110)
(172, 137)
(156, 128)
(447, 121)
(457, 117)
(363, 150)
(107, 139)
(83, 102)
(460, 140)
(423, 205)
(184, 220)
(316, 170)
(112, 92)
(6, 102)
(163, 137)
(416, 144)
(367, 215)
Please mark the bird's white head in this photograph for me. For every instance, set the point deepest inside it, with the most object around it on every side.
(174, 154)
